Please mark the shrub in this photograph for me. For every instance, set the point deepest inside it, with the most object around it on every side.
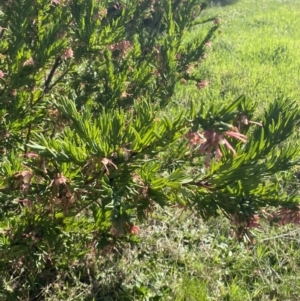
(93, 136)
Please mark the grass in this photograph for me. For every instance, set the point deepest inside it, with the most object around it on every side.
(257, 52)
(179, 257)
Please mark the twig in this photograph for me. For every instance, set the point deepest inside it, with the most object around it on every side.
(27, 140)
(57, 62)
(280, 236)
(85, 206)
(58, 79)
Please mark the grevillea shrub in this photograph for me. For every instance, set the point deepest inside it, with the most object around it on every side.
(92, 140)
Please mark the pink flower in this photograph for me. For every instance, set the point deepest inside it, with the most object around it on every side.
(57, 2)
(289, 216)
(29, 62)
(135, 229)
(122, 47)
(253, 222)
(1, 74)
(195, 138)
(202, 84)
(68, 54)
(244, 120)
(210, 141)
(237, 135)
(30, 155)
(24, 179)
(100, 14)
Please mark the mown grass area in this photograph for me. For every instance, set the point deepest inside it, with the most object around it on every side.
(177, 256)
(257, 53)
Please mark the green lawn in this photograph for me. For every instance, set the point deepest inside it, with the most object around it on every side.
(258, 52)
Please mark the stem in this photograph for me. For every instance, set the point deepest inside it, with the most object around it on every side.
(57, 62)
(59, 79)
(27, 140)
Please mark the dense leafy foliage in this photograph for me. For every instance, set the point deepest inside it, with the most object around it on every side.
(93, 136)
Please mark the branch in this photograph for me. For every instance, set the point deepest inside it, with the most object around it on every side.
(59, 79)
(57, 62)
